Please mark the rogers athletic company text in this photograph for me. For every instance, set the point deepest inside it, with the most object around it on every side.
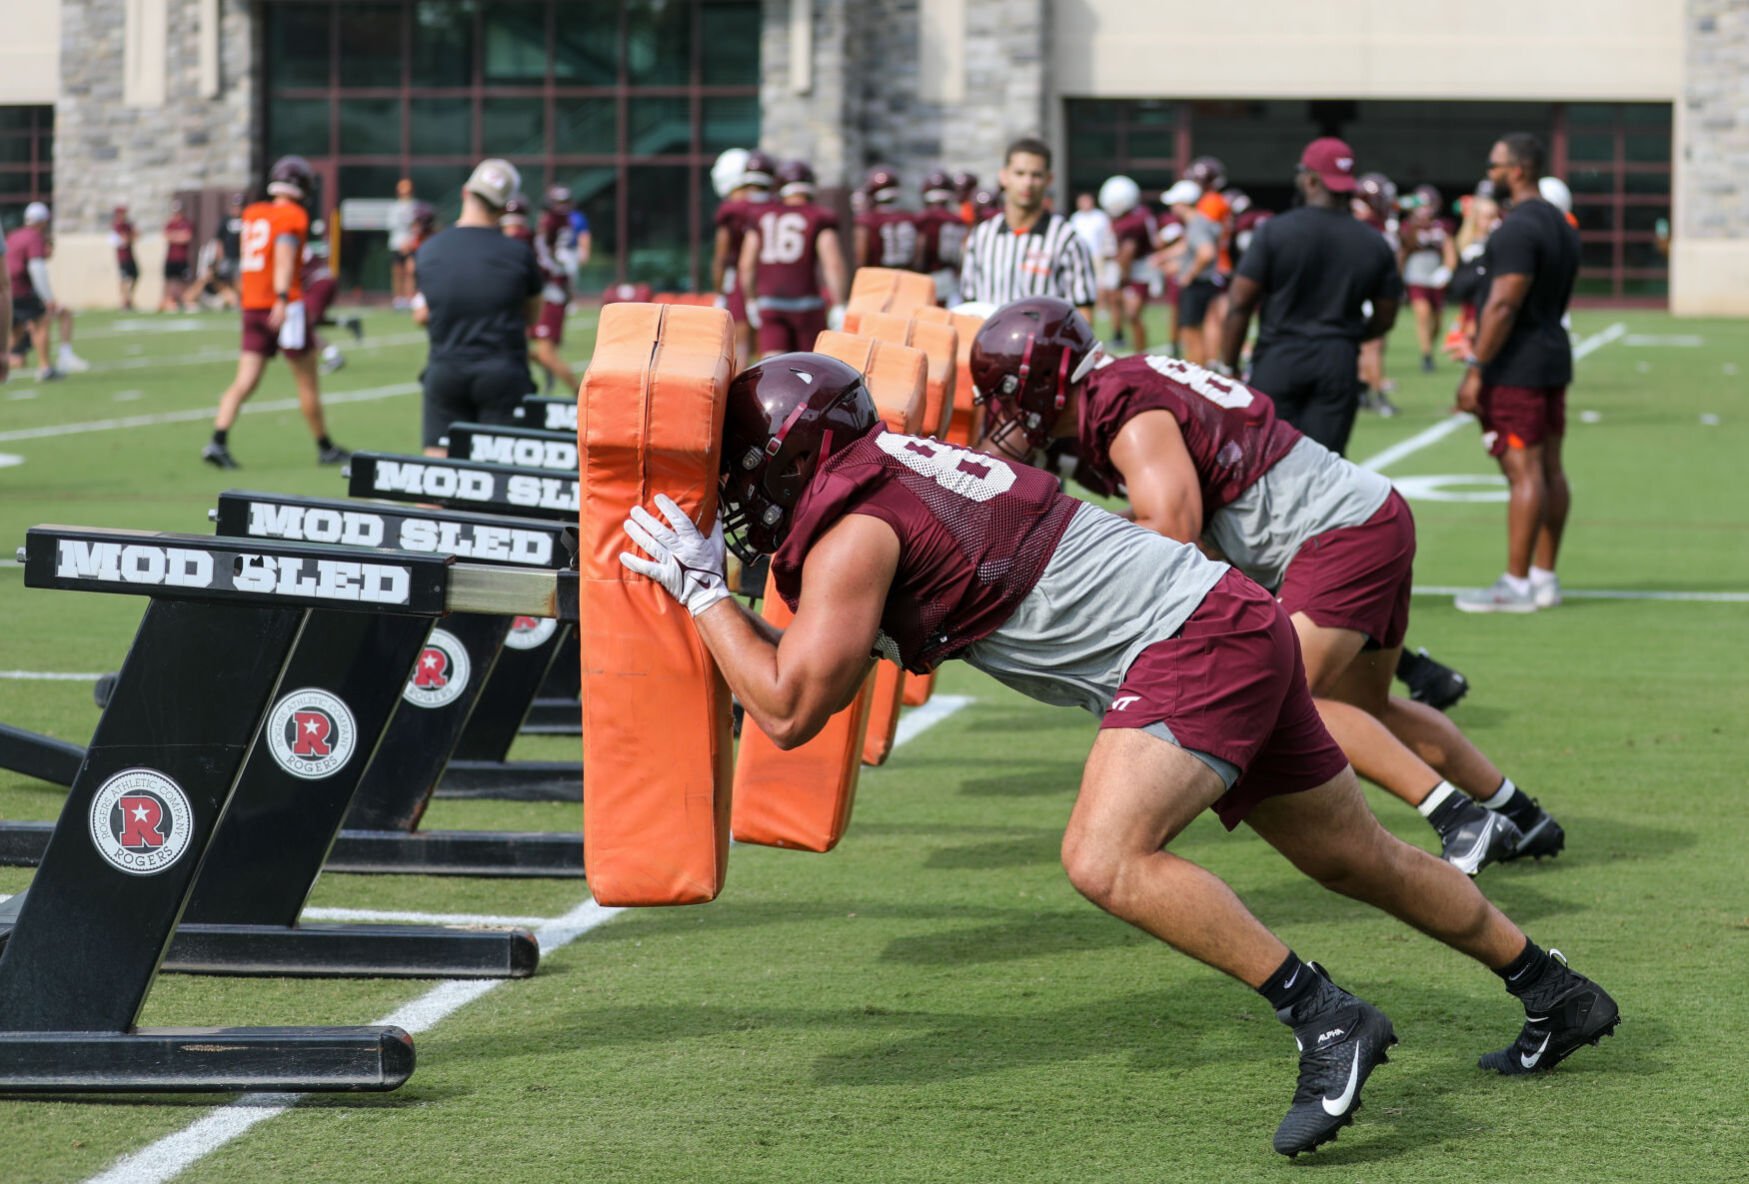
(466, 540)
(237, 571)
(447, 481)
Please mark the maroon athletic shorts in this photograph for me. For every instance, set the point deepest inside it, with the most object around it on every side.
(780, 331)
(317, 297)
(1231, 683)
(1140, 288)
(736, 304)
(260, 338)
(551, 326)
(1433, 296)
(1521, 416)
(1357, 577)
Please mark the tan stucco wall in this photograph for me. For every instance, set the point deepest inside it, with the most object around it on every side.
(30, 51)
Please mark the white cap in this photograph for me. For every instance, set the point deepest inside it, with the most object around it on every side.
(1119, 195)
(36, 212)
(495, 182)
(1182, 193)
(1555, 192)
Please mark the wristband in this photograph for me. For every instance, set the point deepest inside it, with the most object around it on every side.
(1474, 362)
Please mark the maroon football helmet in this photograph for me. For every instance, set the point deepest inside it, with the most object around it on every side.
(881, 185)
(558, 199)
(1209, 172)
(1429, 197)
(783, 417)
(795, 176)
(965, 184)
(760, 168)
(1378, 191)
(291, 176)
(1024, 361)
(938, 187)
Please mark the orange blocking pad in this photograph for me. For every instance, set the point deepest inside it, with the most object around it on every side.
(966, 423)
(801, 798)
(897, 375)
(888, 289)
(940, 346)
(656, 732)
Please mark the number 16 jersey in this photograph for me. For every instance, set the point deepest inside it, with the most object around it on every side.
(789, 254)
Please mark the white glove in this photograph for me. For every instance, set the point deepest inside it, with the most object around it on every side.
(752, 315)
(1440, 278)
(552, 293)
(719, 301)
(685, 562)
(835, 317)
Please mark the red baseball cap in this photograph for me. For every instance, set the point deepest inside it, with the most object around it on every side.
(1333, 161)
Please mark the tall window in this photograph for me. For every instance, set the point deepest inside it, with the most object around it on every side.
(1616, 159)
(626, 102)
(27, 137)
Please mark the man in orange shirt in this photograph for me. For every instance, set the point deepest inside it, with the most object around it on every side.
(269, 269)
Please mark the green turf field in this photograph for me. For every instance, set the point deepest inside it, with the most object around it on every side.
(932, 1001)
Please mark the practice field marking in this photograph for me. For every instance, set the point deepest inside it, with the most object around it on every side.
(8, 459)
(194, 414)
(398, 916)
(168, 1157)
(1607, 594)
(1445, 427)
(1681, 340)
(221, 355)
(47, 675)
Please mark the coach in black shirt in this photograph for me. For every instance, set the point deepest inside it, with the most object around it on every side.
(480, 291)
(1313, 270)
(1516, 383)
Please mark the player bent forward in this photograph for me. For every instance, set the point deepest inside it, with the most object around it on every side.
(1202, 457)
(927, 552)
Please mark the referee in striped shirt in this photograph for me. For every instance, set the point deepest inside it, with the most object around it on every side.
(1028, 251)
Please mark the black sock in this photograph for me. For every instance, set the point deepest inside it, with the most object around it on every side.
(1451, 812)
(1292, 981)
(1406, 664)
(1522, 809)
(219, 435)
(1525, 969)
(324, 443)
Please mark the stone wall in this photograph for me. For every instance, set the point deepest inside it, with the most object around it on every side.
(108, 152)
(1709, 251)
(865, 106)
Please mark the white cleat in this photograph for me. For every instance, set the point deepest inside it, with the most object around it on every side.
(1499, 597)
(1546, 593)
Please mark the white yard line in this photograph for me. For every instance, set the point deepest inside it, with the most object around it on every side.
(1445, 427)
(229, 354)
(168, 1157)
(1608, 594)
(366, 395)
(47, 676)
(395, 916)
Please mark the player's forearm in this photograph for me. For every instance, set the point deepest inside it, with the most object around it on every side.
(285, 261)
(836, 275)
(783, 704)
(1494, 327)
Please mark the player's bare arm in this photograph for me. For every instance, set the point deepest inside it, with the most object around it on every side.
(720, 261)
(285, 258)
(1242, 300)
(747, 268)
(1505, 296)
(1159, 476)
(832, 266)
(792, 688)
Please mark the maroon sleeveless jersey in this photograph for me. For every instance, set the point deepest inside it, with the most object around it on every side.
(735, 215)
(789, 256)
(944, 237)
(974, 533)
(1230, 430)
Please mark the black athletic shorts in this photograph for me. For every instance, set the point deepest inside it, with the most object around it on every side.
(1315, 386)
(129, 269)
(1194, 300)
(177, 271)
(473, 392)
(26, 310)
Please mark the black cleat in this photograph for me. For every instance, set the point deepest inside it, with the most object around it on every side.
(1476, 837)
(1563, 1010)
(1341, 1038)
(333, 454)
(355, 326)
(218, 456)
(1540, 834)
(1431, 682)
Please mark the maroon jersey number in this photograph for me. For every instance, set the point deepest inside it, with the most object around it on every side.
(971, 475)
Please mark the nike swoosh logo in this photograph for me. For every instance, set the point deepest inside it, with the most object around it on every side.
(1529, 1062)
(1290, 982)
(1337, 1107)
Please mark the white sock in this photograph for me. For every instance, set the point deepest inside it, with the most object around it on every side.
(1437, 798)
(1519, 584)
(1541, 575)
(1502, 795)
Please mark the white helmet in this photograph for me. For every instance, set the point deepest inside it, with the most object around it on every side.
(1556, 193)
(726, 172)
(1119, 195)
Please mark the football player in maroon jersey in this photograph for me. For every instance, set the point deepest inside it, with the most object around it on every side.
(743, 180)
(1427, 255)
(791, 251)
(1138, 237)
(884, 234)
(941, 237)
(1203, 458)
(548, 333)
(922, 551)
(1375, 203)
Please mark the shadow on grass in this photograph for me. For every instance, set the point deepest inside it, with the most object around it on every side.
(1035, 935)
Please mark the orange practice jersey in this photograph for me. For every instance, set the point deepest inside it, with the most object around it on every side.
(264, 223)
